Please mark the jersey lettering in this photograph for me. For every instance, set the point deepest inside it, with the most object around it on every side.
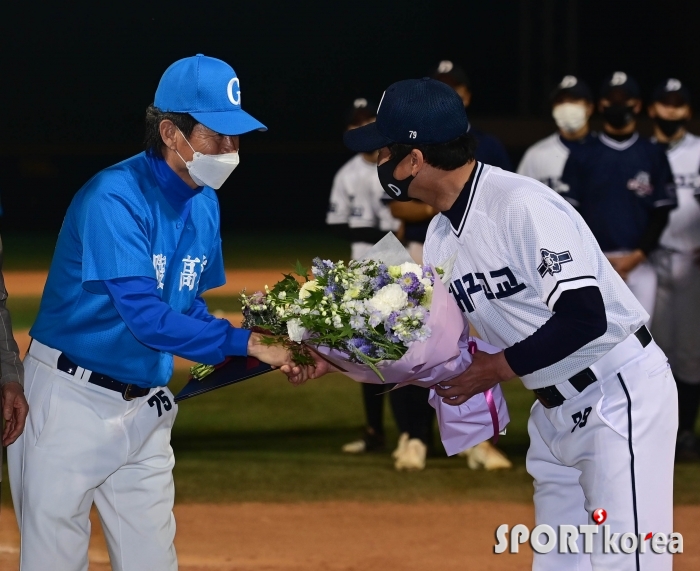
(476, 282)
(506, 288)
(461, 297)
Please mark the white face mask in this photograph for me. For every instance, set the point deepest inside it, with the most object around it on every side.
(570, 117)
(210, 170)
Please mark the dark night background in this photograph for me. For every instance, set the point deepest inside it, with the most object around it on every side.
(77, 77)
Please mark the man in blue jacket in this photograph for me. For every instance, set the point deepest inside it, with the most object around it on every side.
(139, 246)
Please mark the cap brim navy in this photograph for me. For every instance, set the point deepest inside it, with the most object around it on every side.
(232, 122)
(365, 139)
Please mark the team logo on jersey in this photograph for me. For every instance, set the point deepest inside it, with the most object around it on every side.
(552, 261)
(641, 184)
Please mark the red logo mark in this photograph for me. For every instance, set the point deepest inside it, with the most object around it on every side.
(649, 536)
(599, 515)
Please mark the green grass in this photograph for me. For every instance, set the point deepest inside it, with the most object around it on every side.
(263, 440)
(23, 311)
(261, 249)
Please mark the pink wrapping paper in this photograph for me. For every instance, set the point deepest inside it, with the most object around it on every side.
(443, 356)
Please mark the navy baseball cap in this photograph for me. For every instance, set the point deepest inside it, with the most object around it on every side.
(574, 87)
(672, 92)
(412, 112)
(209, 90)
(620, 82)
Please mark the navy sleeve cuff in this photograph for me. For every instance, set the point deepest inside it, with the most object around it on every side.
(236, 343)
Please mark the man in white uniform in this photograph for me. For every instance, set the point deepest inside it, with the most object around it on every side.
(572, 107)
(531, 278)
(356, 210)
(677, 312)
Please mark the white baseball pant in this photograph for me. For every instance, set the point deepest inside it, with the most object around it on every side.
(612, 447)
(84, 444)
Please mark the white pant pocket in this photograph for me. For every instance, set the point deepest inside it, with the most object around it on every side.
(44, 417)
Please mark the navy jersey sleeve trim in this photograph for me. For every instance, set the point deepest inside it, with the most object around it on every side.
(559, 282)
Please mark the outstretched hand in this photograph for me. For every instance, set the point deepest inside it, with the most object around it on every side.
(485, 372)
(14, 411)
(298, 375)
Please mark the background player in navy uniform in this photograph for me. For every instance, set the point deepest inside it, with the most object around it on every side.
(677, 261)
(622, 185)
(530, 277)
(139, 246)
(572, 107)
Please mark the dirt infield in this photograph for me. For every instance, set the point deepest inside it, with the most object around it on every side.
(341, 536)
(31, 283)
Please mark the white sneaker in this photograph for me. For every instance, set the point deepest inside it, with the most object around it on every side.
(354, 447)
(400, 446)
(487, 456)
(412, 457)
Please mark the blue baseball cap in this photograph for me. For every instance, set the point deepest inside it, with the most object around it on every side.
(412, 112)
(209, 90)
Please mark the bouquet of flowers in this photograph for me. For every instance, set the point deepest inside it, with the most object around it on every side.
(382, 319)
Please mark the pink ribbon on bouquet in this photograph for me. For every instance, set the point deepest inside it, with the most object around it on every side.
(489, 401)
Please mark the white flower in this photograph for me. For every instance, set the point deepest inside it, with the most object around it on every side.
(411, 268)
(307, 288)
(295, 330)
(390, 298)
(282, 295)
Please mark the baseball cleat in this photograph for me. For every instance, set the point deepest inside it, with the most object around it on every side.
(487, 456)
(412, 457)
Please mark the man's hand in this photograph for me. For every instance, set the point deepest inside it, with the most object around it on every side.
(485, 372)
(623, 265)
(272, 354)
(14, 411)
(299, 375)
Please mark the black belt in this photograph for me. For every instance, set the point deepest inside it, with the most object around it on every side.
(550, 396)
(128, 392)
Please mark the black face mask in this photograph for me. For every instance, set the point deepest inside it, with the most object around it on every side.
(618, 115)
(397, 189)
(670, 127)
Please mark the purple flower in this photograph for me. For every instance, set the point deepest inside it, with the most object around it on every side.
(391, 320)
(362, 345)
(429, 273)
(411, 285)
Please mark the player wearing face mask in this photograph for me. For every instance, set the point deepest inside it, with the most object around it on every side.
(572, 107)
(677, 262)
(622, 185)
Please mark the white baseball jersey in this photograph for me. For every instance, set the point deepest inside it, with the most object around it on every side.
(517, 247)
(356, 200)
(683, 231)
(544, 161)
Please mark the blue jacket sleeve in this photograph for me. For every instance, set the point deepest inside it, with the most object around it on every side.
(199, 310)
(197, 336)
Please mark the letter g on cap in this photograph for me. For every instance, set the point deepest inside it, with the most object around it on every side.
(229, 91)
